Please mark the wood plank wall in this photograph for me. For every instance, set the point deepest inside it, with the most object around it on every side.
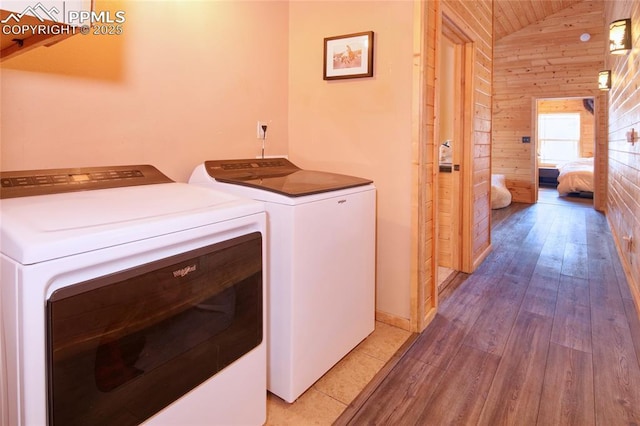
(475, 19)
(623, 203)
(513, 15)
(423, 267)
(546, 60)
(445, 234)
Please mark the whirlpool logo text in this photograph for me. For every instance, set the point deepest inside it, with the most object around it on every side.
(179, 273)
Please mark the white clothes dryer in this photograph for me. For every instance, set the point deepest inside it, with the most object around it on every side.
(128, 298)
(321, 254)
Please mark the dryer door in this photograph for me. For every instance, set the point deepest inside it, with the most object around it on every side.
(124, 346)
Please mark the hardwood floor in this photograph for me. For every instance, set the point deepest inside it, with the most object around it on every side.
(545, 332)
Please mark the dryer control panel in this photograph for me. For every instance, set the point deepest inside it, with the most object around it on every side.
(53, 181)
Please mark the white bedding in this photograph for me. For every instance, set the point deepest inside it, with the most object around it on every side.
(576, 176)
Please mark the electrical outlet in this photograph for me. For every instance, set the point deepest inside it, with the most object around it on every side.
(260, 133)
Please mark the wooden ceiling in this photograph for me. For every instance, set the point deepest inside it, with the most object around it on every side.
(513, 15)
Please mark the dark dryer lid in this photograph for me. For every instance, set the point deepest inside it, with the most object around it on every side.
(279, 175)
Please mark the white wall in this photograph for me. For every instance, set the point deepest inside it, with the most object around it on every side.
(360, 127)
(185, 82)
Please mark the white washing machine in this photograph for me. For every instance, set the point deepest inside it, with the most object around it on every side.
(321, 254)
(128, 298)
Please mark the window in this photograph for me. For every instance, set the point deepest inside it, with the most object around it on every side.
(558, 137)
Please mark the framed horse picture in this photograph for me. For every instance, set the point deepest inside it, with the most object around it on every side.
(348, 56)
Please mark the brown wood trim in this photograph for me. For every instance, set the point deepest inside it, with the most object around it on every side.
(633, 286)
(393, 320)
(422, 230)
(29, 43)
(478, 261)
(429, 315)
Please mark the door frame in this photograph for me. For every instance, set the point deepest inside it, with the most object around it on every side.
(463, 124)
(424, 266)
(597, 175)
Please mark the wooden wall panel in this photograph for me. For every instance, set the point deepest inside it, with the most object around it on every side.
(544, 60)
(512, 15)
(424, 160)
(623, 203)
(475, 20)
(445, 235)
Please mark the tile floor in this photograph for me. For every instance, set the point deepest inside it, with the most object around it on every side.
(333, 392)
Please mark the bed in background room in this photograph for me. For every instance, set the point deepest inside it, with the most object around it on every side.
(548, 176)
(576, 177)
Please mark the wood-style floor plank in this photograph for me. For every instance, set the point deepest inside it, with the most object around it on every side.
(544, 332)
(575, 262)
(578, 225)
(542, 293)
(491, 331)
(572, 324)
(469, 301)
(508, 234)
(523, 263)
(616, 370)
(437, 345)
(634, 324)
(575, 289)
(604, 291)
(515, 393)
(401, 396)
(460, 398)
(553, 250)
(567, 395)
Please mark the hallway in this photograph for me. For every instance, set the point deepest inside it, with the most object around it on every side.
(545, 332)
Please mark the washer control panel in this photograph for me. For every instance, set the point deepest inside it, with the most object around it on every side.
(249, 168)
(259, 164)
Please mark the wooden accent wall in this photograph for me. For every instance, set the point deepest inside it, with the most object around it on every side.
(546, 60)
(445, 235)
(623, 203)
(423, 224)
(475, 20)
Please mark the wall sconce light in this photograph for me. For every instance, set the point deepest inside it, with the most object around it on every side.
(604, 80)
(620, 36)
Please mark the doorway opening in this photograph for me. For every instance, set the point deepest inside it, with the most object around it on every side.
(565, 149)
(451, 137)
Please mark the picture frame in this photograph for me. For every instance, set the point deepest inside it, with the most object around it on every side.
(348, 56)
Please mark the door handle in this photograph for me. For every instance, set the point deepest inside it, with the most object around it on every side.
(456, 167)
